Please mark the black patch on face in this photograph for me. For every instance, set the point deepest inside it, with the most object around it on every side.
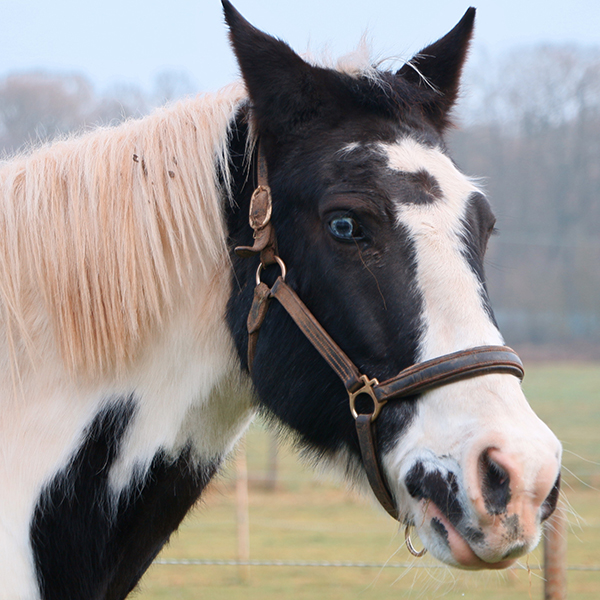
(87, 546)
(479, 224)
(421, 188)
(361, 292)
(365, 170)
(443, 491)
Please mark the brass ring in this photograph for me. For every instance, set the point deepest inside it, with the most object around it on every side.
(409, 544)
(281, 266)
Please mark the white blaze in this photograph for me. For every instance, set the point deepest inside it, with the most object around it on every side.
(454, 317)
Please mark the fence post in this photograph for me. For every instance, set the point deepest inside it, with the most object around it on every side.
(555, 556)
(272, 460)
(242, 512)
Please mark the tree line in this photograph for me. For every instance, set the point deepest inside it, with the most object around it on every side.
(38, 106)
(529, 125)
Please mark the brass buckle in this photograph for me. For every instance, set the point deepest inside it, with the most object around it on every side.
(261, 206)
(367, 388)
(281, 266)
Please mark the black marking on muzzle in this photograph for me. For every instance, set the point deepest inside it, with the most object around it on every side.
(441, 489)
(439, 528)
(513, 530)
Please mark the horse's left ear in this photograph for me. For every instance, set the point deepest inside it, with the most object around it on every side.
(439, 66)
(281, 85)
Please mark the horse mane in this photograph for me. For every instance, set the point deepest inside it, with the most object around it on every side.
(99, 234)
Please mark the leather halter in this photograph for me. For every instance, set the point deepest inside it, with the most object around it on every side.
(422, 376)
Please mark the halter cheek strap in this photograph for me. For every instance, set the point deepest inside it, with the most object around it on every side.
(418, 378)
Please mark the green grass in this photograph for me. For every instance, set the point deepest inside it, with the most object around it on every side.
(309, 518)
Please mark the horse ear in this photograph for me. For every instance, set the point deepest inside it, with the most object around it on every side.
(439, 66)
(280, 84)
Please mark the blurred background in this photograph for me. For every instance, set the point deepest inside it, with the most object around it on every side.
(528, 124)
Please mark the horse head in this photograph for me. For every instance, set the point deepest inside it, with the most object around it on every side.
(384, 242)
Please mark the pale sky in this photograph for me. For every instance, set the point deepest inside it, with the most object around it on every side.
(130, 41)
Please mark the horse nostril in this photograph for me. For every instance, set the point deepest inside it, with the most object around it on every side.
(551, 500)
(495, 485)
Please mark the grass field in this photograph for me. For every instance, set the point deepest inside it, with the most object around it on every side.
(310, 518)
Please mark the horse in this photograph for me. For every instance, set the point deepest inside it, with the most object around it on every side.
(137, 345)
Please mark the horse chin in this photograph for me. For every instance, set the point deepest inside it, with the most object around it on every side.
(448, 545)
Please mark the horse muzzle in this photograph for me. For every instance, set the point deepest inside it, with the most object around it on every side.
(490, 516)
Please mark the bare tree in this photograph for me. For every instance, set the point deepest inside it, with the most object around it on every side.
(170, 85)
(39, 106)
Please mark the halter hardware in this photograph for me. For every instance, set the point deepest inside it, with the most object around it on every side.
(409, 544)
(281, 266)
(413, 380)
(368, 388)
(261, 207)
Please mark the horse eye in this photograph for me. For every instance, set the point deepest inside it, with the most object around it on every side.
(345, 228)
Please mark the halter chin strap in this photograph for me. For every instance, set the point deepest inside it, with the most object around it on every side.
(449, 368)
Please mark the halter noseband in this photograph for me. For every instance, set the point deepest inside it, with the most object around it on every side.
(472, 362)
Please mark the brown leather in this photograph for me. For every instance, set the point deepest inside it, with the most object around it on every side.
(262, 238)
(261, 206)
(368, 449)
(445, 369)
(451, 367)
(256, 316)
(318, 337)
(415, 379)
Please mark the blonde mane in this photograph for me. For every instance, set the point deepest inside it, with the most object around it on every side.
(99, 234)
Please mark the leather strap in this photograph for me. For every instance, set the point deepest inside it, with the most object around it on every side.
(368, 450)
(256, 316)
(265, 244)
(451, 367)
(318, 337)
(261, 208)
(415, 379)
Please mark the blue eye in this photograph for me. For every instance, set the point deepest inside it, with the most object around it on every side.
(345, 228)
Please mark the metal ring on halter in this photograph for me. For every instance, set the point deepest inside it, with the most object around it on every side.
(409, 545)
(367, 388)
(281, 266)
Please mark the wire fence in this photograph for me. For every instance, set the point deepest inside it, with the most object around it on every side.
(549, 570)
(353, 565)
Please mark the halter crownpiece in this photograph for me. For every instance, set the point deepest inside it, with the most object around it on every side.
(417, 378)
